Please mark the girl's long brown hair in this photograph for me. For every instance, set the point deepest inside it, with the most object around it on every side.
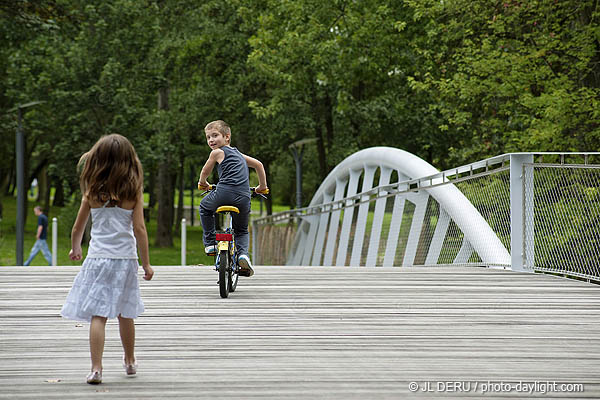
(111, 171)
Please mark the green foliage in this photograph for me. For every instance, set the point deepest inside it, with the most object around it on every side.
(66, 215)
(512, 76)
(451, 81)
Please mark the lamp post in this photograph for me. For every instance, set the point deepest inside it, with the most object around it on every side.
(20, 148)
(297, 149)
(192, 187)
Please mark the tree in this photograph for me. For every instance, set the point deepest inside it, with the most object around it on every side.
(511, 76)
(339, 71)
(450, 81)
(20, 24)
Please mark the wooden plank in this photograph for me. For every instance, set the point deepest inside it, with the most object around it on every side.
(309, 332)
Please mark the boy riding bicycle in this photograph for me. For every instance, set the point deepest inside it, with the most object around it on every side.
(232, 189)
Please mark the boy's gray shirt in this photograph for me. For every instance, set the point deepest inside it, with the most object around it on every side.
(233, 170)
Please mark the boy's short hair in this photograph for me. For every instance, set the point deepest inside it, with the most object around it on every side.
(219, 125)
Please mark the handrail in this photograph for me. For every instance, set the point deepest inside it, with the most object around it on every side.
(489, 165)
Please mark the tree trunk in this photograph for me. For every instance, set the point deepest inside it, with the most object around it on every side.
(6, 175)
(152, 188)
(181, 186)
(328, 126)
(192, 188)
(46, 194)
(59, 193)
(4, 183)
(321, 151)
(318, 116)
(12, 183)
(44, 189)
(268, 202)
(166, 187)
(164, 229)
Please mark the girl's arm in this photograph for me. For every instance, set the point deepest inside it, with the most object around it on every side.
(141, 236)
(216, 156)
(260, 171)
(78, 229)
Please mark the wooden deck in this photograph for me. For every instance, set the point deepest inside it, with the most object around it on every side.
(311, 332)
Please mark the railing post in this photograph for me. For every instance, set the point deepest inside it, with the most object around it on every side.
(54, 241)
(517, 211)
(183, 242)
(254, 238)
(528, 218)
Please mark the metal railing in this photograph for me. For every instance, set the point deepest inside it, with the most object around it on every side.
(543, 208)
(562, 219)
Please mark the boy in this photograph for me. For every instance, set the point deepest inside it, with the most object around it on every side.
(40, 236)
(233, 189)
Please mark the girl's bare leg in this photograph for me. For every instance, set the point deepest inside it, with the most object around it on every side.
(97, 334)
(127, 331)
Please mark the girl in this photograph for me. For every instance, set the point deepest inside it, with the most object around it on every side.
(107, 284)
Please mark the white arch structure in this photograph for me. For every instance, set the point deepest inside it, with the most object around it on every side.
(312, 248)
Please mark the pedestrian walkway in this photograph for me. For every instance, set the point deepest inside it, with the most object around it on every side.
(312, 332)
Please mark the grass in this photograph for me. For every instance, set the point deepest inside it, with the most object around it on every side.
(187, 201)
(158, 255)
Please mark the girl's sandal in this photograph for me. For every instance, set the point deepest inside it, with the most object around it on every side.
(94, 377)
(130, 369)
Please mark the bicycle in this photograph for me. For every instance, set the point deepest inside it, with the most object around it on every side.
(226, 255)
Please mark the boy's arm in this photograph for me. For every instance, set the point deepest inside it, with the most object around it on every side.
(260, 171)
(216, 156)
(78, 229)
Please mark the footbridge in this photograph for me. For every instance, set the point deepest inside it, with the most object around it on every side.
(533, 212)
(397, 282)
(313, 333)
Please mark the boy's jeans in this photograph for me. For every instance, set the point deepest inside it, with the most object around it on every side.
(40, 245)
(221, 197)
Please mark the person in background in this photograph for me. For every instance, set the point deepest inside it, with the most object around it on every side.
(40, 236)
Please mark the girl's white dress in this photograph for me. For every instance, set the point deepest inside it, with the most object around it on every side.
(107, 284)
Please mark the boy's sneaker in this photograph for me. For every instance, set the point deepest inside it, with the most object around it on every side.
(245, 266)
(211, 250)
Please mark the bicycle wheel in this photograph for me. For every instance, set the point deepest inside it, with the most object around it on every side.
(224, 273)
(233, 276)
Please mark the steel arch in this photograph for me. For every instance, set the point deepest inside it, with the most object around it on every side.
(343, 182)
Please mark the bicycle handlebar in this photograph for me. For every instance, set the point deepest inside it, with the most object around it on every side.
(263, 192)
(252, 189)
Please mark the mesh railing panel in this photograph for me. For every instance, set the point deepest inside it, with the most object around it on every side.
(427, 231)
(409, 227)
(490, 194)
(452, 244)
(385, 230)
(275, 241)
(562, 219)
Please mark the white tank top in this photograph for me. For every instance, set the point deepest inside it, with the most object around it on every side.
(112, 233)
